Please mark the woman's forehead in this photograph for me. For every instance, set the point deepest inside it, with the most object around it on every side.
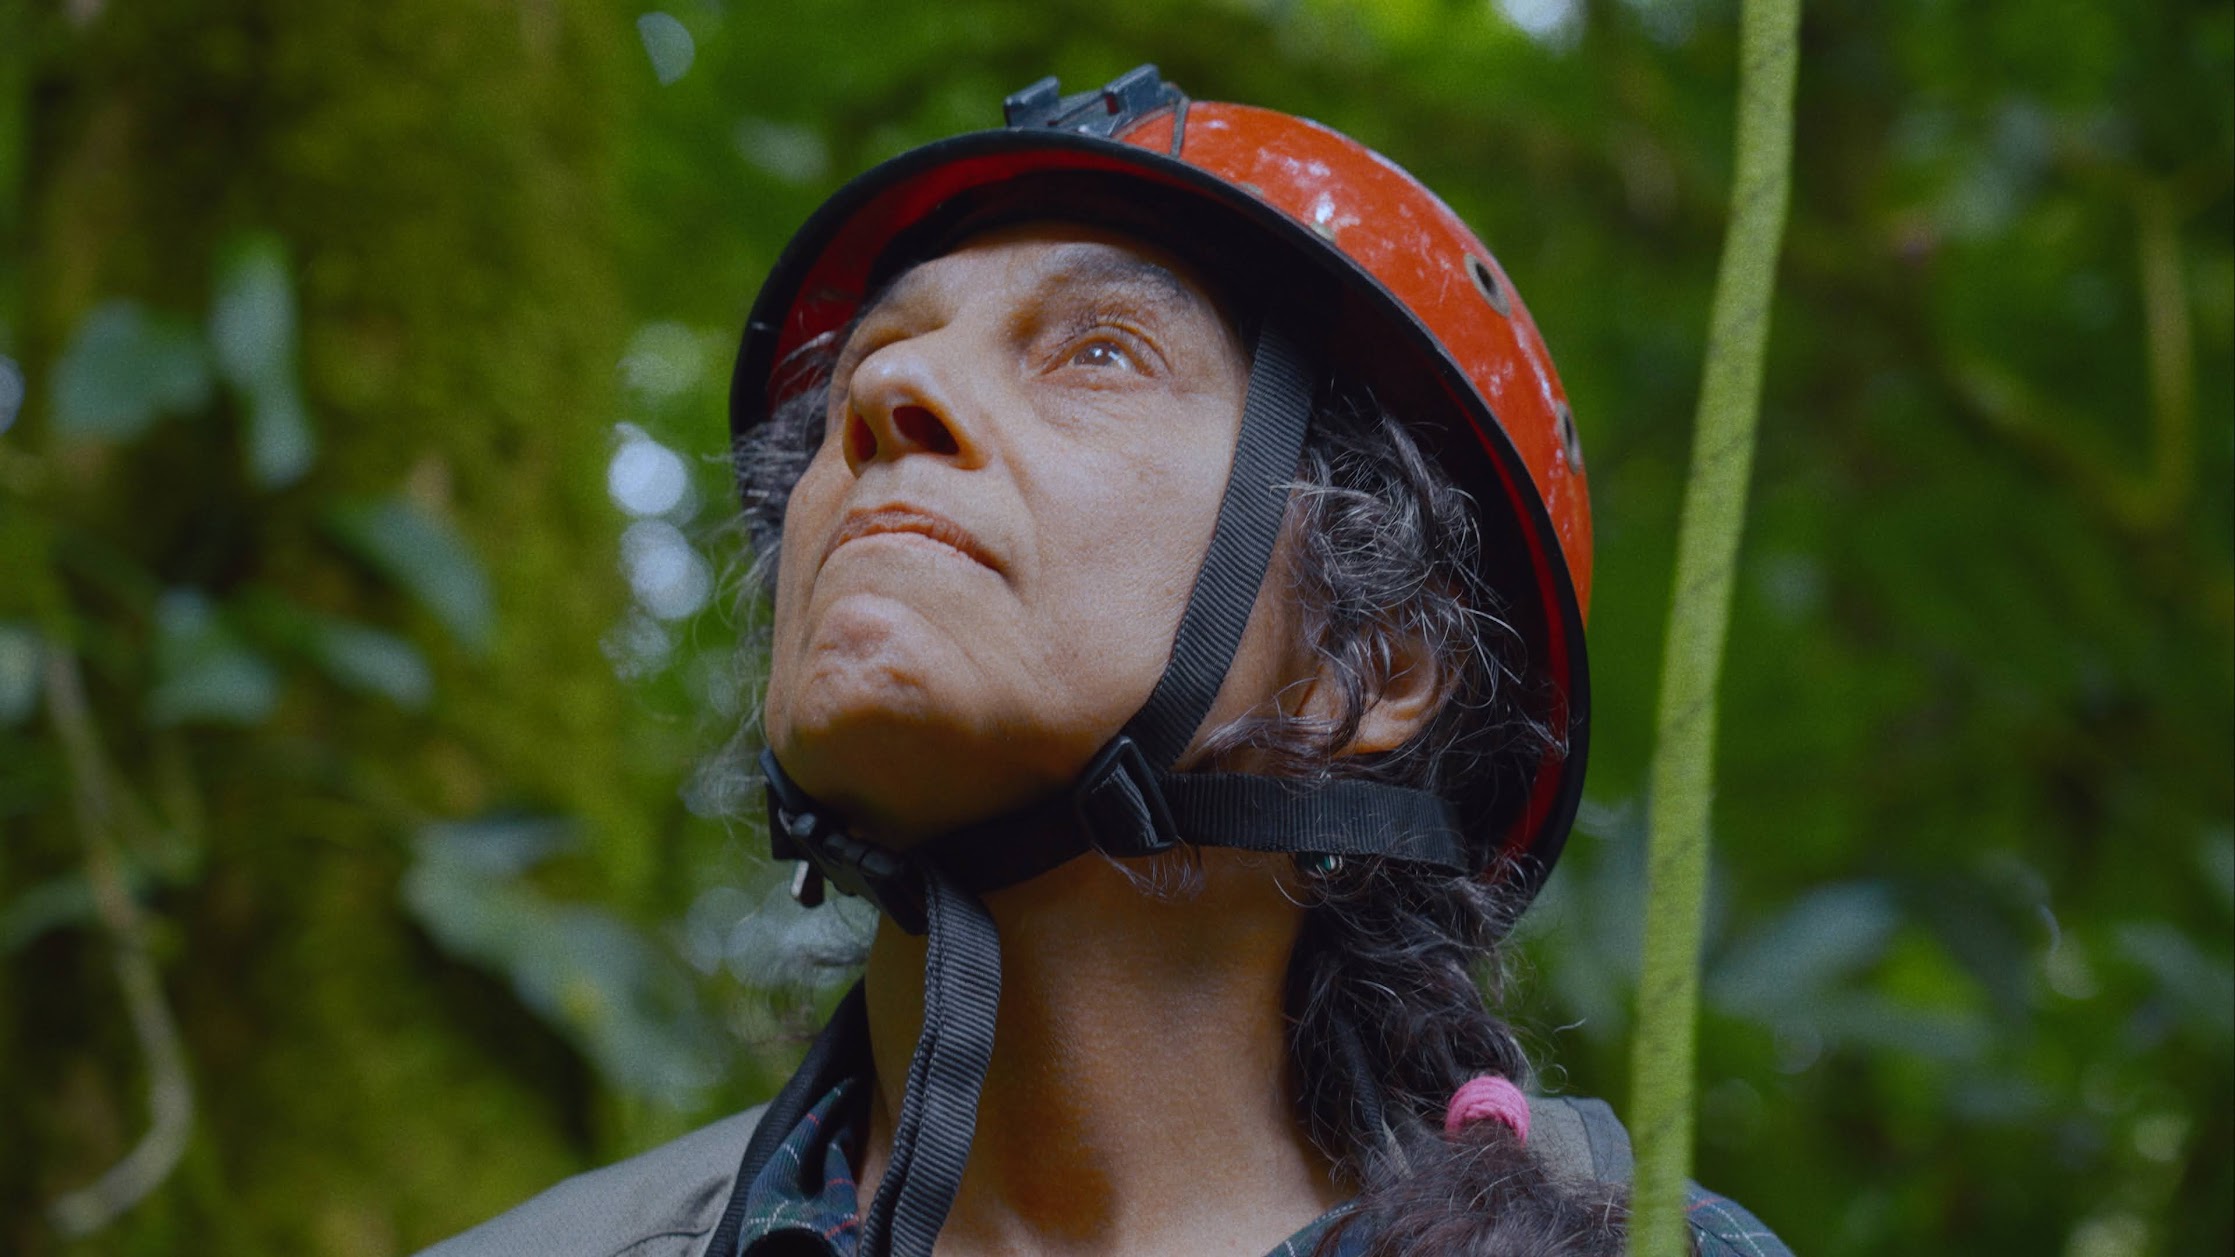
(1055, 257)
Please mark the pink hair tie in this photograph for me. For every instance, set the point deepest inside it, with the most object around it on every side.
(1488, 1097)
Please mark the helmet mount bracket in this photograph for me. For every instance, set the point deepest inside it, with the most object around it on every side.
(1128, 97)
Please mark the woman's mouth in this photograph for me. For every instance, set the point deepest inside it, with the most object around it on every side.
(905, 520)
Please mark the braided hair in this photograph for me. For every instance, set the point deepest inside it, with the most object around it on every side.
(1391, 984)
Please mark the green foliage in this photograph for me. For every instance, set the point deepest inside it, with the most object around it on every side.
(370, 661)
(625, 1001)
(253, 342)
(204, 673)
(19, 672)
(354, 521)
(668, 43)
(125, 369)
(426, 558)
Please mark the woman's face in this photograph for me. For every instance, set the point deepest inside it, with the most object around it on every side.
(984, 565)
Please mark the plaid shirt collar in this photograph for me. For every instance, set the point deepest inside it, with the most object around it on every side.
(805, 1201)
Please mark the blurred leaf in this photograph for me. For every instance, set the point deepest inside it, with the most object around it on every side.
(281, 445)
(425, 557)
(1587, 925)
(504, 844)
(373, 662)
(11, 392)
(252, 314)
(253, 339)
(2200, 987)
(204, 673)
(125, 369)
(1874, 1023)
(50, 905)
(20, 661)
(1995, 920)
(797, 155)
(2215, 857)
(357, 656)
(668, 43)
(625, 1002)
(66, 902)
(1796, 959)
(666, 360)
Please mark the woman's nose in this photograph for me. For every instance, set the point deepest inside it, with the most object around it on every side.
(899, 404)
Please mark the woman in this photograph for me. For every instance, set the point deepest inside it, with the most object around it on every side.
(1179, 549)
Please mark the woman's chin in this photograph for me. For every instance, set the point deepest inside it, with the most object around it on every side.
(908, 733)
(902, 781)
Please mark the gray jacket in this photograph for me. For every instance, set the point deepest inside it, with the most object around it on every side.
(664, 1203)
(667, 1202)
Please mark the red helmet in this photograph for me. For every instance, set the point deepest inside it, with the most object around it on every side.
(1415, 305)
(1357, 268)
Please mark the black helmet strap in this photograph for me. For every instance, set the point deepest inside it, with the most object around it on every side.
(939, 1109)
(1276, 417)
(1128, 802)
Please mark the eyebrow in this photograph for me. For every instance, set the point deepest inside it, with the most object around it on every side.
(1102, 266)
(1082, 263)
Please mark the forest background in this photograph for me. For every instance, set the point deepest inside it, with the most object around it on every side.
(370, 621)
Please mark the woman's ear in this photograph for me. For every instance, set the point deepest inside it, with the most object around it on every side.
(1408, 693)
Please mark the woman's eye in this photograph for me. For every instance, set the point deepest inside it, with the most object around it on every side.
(1101, 353)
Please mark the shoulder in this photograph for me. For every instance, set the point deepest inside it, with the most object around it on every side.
(1723, 1228)
(663, 1203)
(1581, 1138)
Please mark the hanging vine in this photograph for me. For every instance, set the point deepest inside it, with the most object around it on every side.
(1706, 551)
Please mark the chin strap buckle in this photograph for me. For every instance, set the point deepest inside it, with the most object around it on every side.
(1119, 806)
(800, 830)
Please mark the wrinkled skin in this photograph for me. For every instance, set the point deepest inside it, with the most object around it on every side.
(985, 564)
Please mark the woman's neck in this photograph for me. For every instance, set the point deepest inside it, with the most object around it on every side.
(1139, 1098)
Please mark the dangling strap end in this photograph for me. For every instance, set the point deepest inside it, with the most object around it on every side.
(807, 884)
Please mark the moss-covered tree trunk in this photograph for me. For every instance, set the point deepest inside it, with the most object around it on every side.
(437, 180)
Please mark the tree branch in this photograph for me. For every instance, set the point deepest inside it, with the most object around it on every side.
(170, 1089)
